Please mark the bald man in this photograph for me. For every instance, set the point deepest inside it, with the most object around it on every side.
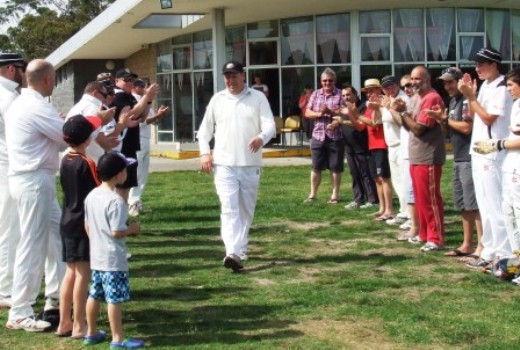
(34, 138)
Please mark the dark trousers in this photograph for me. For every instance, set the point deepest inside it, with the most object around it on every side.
(363, 185)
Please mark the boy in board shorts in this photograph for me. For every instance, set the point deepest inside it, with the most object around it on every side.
(106, 213)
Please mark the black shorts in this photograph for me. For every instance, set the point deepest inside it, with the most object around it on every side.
(379, 164)
(328, 154)
(131, 178)
(75, 248)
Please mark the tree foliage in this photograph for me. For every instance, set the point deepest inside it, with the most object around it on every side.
(43, 25)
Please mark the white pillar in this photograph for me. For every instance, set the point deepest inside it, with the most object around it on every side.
(219, 47)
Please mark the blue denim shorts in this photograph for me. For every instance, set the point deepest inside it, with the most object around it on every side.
(112, 285)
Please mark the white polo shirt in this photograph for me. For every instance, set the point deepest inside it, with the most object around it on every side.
(495, 99)
(391, 129)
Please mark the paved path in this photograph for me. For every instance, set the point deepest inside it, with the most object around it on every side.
(158, 164)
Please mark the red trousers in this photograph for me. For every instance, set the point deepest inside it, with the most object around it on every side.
(426, 180)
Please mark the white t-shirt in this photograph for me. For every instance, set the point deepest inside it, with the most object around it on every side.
(235, 120)
(34, 134)
(391, 129)
(512, 160)
(105, 212)
(495, 99)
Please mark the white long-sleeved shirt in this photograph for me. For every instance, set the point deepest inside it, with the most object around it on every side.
(8, 94)
(34, 134)
(89, 106)
(234, 120)
(511, 163)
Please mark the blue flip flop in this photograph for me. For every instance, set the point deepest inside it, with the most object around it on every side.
(128, 343)
(97, 338)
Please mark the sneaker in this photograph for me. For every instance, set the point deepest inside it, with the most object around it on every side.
(404, 237)
(128, 343)
(352, 206)
(97, 338)
(128, 256)
(406, 225)
(28, 324)
(133, 209)
(415, 240)
(243, 256)
(368, 205)
(429, 247)
(480, 265)
(396, 221)
(233, 262)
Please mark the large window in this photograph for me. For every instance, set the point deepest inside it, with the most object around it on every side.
(515, 24)
(440, 34)
(333, 38)
(374, 29)
(498, 31)
(297, 41)
(236, 44)
(293, 82)
(202, 50)
(471, 32)
(408, 35)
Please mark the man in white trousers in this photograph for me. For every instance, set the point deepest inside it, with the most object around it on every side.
(492, 110)
(34, 138)
(241, 121)
(12, 77)
(143, 155)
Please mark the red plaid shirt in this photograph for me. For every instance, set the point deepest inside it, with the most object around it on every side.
(333, 101)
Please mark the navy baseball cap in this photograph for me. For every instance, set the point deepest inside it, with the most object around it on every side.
(125, 73)
(488, 54)
(232, 67)
(112, 163)
(7, 58)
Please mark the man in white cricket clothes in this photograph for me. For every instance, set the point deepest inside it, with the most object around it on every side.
(241, 121)
(12, 76)
(34, 138)
(492, 115)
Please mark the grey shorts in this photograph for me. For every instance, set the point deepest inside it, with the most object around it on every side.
(463, 189)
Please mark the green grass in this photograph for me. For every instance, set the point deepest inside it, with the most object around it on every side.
(318, 277)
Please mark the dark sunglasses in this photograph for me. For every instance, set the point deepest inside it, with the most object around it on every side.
(22, 68)
(407, 85)
(327, 80)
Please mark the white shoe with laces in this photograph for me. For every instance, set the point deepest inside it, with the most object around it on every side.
(28, 324)
(133, 209)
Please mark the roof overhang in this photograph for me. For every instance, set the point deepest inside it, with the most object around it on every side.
(114, 35)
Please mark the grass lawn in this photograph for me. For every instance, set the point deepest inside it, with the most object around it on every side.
(318, 277)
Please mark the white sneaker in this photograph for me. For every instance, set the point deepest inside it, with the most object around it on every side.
(28, 324)
(407, 225)
(352, 206)
(396, 221)
(133, 210)
(368, 205)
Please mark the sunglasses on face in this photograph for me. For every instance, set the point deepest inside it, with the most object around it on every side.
(407, 85)
(21, 67)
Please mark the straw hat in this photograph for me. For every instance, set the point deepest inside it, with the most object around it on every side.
(371, 83)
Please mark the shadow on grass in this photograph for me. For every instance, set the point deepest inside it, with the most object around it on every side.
(182, 293)
(227, 324)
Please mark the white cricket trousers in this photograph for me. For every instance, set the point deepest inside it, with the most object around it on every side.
(396, 176)
(511, 207)
(40, 242)
(487, 178)
(143, 168)
(237, 189)
(9, 235)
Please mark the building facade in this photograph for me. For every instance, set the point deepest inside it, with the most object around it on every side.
(290, 52)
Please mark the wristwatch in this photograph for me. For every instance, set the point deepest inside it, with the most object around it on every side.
(403, 114)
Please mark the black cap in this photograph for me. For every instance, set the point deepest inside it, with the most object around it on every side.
(7, 58)
(112, 163)
(389, 80)
(77, 129)
(125, 73)
(451, 73)
(232, 67)
(139, 83)
(487, 54)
